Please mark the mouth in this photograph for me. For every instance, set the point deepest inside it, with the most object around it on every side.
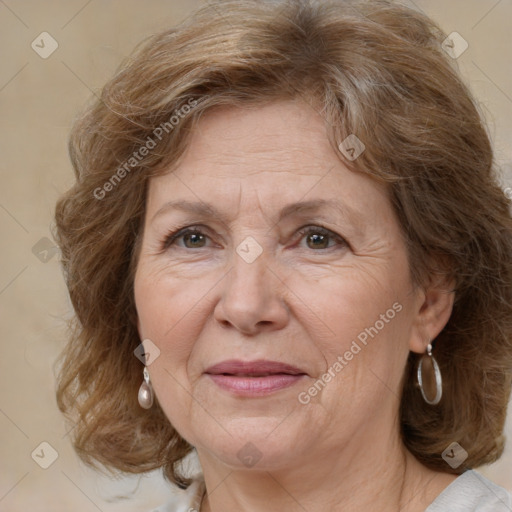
(254, 378)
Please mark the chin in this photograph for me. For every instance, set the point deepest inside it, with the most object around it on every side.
(258, 443)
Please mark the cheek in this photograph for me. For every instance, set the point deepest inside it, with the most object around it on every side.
(158, 301)
(360, 320)
(156, 311)
(171, 313)
(167, 315)
(340, 305)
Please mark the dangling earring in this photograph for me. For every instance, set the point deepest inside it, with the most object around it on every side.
(146, 392)
(437, 375)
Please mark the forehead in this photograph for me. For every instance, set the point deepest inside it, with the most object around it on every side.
(274, 155)
(267, 138)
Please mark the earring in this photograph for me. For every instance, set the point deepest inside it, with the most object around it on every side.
(146, 392)
(437, 375)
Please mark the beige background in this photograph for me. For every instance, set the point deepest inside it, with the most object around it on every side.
(38, 99)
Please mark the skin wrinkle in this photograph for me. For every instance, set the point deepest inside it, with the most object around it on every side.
(278, 307)
(444, 189)
(289, 303)
(351, 221)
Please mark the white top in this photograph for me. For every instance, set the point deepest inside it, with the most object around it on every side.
(470, 492)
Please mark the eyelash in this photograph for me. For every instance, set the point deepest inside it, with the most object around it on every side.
(172, 237)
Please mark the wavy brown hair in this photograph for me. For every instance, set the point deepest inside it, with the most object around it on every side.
(374, 69)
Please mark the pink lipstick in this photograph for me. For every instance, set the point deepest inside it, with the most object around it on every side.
(254, 378)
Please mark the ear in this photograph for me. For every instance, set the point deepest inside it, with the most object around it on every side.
(140, 330)
(139, 327)
(433, 308)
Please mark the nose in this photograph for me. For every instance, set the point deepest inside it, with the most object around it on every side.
(252, 298)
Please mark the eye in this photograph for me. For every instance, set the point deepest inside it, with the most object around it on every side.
(318, 237)
(192, 238)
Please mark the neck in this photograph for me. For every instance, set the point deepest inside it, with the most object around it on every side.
(355, 478)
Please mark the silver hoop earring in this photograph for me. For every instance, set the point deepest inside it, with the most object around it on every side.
(437, 375)
(146, 391)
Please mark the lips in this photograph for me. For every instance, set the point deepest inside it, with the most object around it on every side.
(254, 378)
(260, 368)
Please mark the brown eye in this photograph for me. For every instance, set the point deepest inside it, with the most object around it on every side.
(318, 238)
(188, 238)
(194, 240)
(317, 241)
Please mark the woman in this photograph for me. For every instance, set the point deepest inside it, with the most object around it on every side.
(293, 206)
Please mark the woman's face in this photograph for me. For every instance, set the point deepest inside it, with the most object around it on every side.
(275, 283)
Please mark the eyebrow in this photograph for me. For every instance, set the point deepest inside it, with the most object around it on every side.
(202, 209)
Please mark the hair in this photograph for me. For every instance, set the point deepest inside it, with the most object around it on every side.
(374, 69)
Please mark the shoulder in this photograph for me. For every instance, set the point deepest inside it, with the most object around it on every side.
(472, 492)
(188, 500)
